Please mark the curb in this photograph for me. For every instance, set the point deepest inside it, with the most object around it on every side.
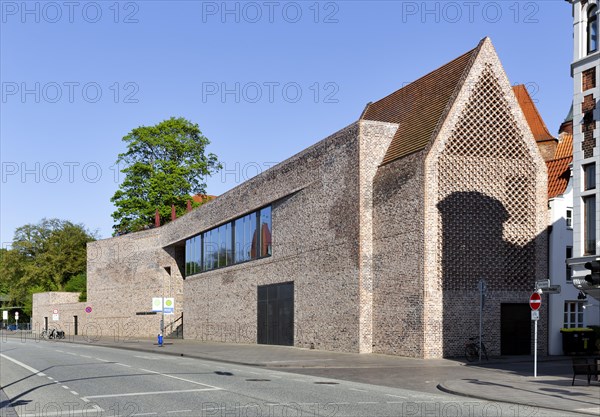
(447, 390)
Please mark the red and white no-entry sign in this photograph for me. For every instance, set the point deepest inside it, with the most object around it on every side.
(535, 301)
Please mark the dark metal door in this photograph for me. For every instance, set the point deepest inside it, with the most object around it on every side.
(276, 314)
(515, 329)
(75, 325)
(45, 323)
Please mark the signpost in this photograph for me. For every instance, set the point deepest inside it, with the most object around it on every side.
(5, 317)
(481, 287)
(165, 306)
(55, 316)
(535, 302)
(17, 320)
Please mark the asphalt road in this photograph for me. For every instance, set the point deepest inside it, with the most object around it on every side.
(42, 378)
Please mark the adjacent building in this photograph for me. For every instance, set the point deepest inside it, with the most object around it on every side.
(585, 70)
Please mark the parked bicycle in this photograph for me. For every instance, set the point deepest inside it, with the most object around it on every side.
(52, 334)
(472, 349)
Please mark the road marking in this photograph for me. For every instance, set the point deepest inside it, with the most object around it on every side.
(396, 396)
(359, 390)
(298, 380)
(181, 379)
(61, 351)
(85, 399)
(122, 364)
(255, 373)
(74, 393)
(71, 353)
(71, 412)
(21, 364)
(84, 356)
(101, 360)
(394, 402)
(135, 394)
(145, 414)
(366, 402)
(65, 387)
(179, 411)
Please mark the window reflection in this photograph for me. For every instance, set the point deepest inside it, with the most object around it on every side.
(241, 240)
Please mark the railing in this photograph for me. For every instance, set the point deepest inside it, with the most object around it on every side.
(178, 325)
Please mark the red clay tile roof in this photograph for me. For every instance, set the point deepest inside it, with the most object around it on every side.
(536, 124)
(203, 198)
(565, 146)
(558, 175)
(558, 168)
(419, 106)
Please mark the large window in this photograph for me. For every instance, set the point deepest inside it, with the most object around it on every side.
(241, 240)
(573, 314)
(589, 177)
(589, 225)
(592, 29)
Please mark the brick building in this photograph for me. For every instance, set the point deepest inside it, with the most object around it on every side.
(372, 240)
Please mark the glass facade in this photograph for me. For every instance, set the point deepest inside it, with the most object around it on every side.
(243, 239)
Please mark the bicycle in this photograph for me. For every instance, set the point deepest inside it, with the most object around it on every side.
(52, 334)
(472, 349)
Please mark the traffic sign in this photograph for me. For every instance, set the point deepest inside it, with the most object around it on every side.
(55, 311)
(552, 289)
(535, 301)
(5, 315)
(535, 315)
(16, 315)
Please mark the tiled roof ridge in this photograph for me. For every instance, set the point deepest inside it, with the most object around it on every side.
(365, 111)
(420, 108)
(532, 115)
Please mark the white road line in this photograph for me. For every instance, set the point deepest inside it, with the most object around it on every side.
(101, 360)
(395, 396)
(71, 353)
(85, 356)
(298, 380)
(394, 402)
(359, 390)
(135, 394)
(65, 387)
(74, 393)
(61, 351)
(21, 364)
(181, 379)
(122, 364)
(366, 402)
(71, 412)
(144, 414)
(85, 400)
(255, 373)
(50, 378)
(179, 411)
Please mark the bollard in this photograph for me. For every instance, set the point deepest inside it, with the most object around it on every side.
(160, 339)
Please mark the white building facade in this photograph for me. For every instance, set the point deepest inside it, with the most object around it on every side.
(585, 70)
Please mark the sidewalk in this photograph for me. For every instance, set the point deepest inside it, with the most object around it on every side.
(503, 379)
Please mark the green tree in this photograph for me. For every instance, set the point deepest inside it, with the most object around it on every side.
(44, 257)
(164, 164)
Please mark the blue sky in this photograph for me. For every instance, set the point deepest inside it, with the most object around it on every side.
(264, 80)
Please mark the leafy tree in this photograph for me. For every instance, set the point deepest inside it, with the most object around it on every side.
(164, 165)
(78, 283)
(44, 257)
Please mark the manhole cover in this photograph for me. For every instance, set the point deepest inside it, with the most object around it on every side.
(326, 383)
(258, 380)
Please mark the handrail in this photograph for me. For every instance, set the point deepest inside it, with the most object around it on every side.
(170, 325)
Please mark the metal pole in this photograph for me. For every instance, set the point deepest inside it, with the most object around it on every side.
(535, 349)
(480, 320)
